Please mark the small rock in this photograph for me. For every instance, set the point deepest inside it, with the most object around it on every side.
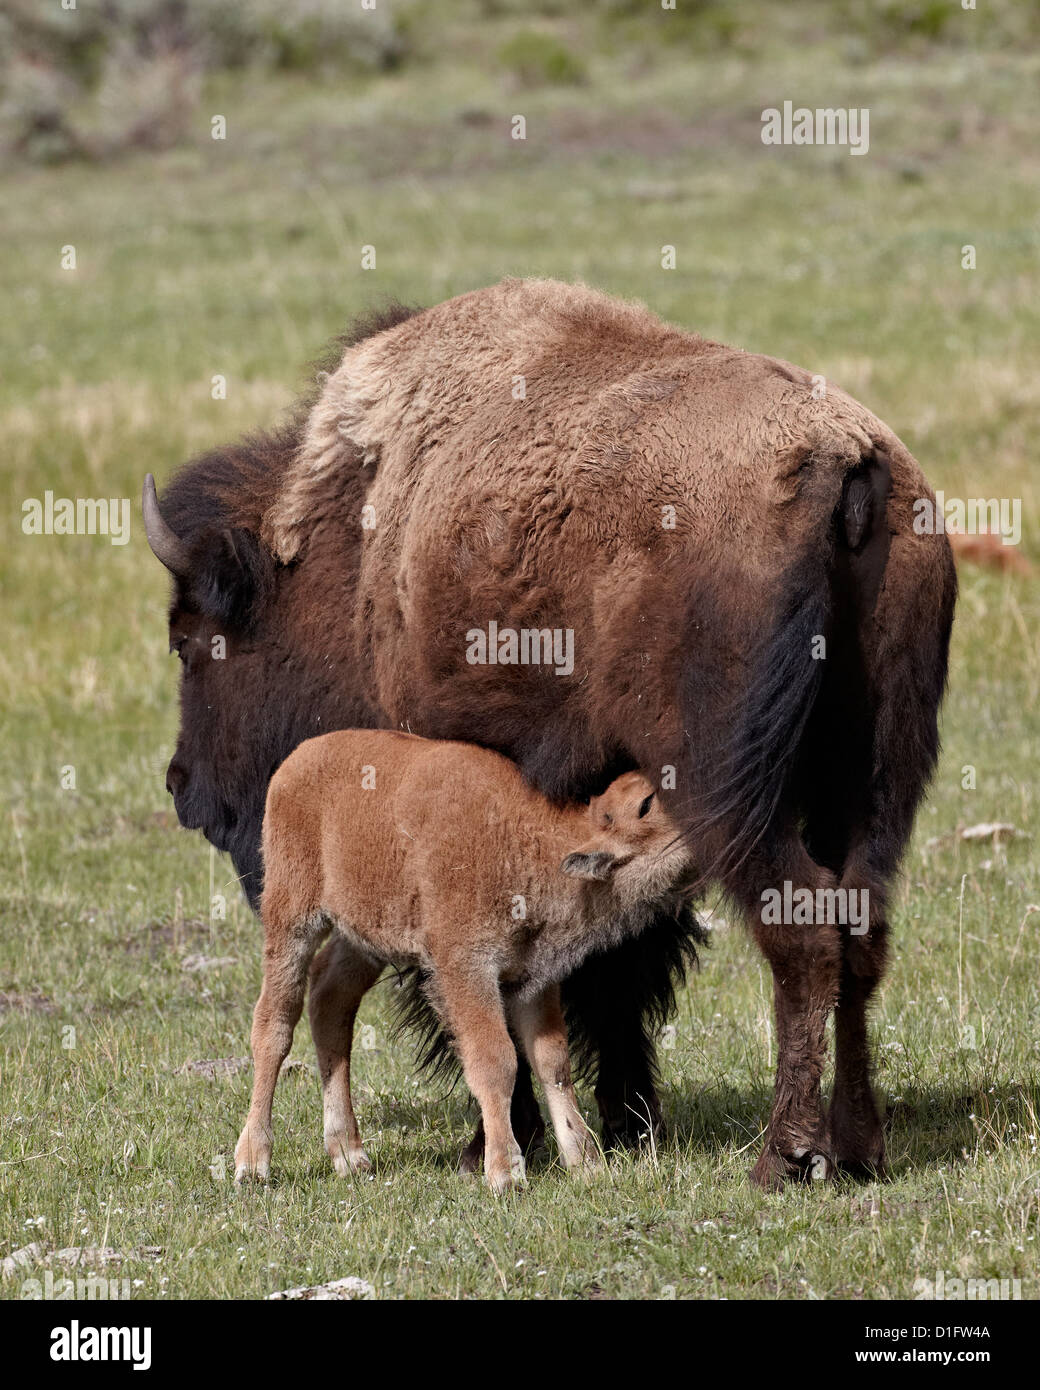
(193, 964)
(212, 1067)
(339, 1290)
(993, 830)
(19, 1259)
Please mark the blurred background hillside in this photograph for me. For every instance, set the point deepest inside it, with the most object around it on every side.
(106, 76)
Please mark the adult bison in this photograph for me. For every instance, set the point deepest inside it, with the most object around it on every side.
(756, 626)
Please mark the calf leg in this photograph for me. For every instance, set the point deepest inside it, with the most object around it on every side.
(471, 1005)
(287, 957)
(340, 978)
(613, 1001)
(542, 1031)
(525, 1117)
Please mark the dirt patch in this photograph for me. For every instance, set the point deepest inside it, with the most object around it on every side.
(652, 133)
(212, 1067)
(35, 1002)
(166, 938)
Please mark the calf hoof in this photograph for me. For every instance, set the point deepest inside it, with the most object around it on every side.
(349, 1158)
(252, 1157)
(502, 1179)
(530, 1137)
(774, 1170)
(588, 1164)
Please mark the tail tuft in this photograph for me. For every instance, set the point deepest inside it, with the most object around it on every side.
(755, 754)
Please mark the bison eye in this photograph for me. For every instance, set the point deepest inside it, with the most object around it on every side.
(177, 645)
(645, 806)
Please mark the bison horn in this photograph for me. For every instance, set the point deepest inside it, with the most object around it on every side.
(166, 545)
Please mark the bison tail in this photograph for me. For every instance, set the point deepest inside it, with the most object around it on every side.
(742, 755)
(834, 734)
(902, 669)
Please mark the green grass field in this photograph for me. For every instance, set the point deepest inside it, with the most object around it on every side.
(240, 258)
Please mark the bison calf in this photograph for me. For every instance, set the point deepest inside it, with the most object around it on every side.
(440, 855)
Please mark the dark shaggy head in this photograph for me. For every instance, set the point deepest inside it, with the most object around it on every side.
(262, 667)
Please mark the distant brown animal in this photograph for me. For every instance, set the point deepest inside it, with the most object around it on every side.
(988, 549)
(757, 627)
(440, 855)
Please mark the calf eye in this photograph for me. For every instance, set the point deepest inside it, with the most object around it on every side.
(645, 806)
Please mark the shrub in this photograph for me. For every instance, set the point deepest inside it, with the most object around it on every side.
(120, 74)
(537, 59)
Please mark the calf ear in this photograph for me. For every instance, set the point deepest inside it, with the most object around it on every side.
(232, 577)
(597, 865)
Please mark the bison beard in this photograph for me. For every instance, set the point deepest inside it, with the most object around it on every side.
(697, 654)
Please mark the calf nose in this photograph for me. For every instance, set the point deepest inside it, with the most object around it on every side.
(175, 778)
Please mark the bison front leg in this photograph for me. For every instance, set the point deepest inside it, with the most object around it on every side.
(626, 1094)
(610, 1005)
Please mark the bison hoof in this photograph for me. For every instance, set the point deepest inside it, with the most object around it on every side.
(774, 1170)
(633, 1133)
(252, 1172)
(862, 1171)
(859, 1153)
